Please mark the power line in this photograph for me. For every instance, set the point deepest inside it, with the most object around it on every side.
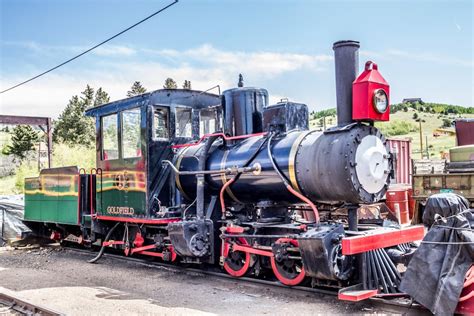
(92, 48)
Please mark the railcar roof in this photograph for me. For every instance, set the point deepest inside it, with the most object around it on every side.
(192, 98)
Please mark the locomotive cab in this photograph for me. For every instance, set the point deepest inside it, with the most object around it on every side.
(134, 136)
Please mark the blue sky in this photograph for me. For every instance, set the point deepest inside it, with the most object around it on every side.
(423, 48)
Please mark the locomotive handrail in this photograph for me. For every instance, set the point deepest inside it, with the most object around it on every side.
(224, 136)
(96, 172)
(227, 171)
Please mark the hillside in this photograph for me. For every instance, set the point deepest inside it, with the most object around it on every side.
(403, 124)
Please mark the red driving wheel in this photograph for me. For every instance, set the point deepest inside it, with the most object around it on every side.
(236, 262)
(288, 271)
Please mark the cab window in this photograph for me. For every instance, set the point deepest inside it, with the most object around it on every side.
(183, 122)
(131, 144)
(160, 123)
(207, 122)
(109, 137)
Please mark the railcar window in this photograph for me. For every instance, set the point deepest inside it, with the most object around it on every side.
(207, 122)
(160, 123)
(183, 122)
(131, 145)
(109, 137)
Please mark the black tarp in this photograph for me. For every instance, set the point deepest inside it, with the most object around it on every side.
(436, 273)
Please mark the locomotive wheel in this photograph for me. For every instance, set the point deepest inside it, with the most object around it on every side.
(236, 262)
(288, 271)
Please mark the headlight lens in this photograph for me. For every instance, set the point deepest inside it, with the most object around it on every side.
(380, 101)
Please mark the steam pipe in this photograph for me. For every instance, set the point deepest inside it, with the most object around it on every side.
(287, 184)
(346, 58)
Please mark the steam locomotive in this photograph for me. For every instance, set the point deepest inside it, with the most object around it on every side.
(190, 176)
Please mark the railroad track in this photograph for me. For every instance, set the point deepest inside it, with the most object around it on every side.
(396, 304)
(15, 306)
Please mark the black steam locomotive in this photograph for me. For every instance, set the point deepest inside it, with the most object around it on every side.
(189, 176)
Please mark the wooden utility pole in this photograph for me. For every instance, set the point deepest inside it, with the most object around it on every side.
(427, 147)
(421, 139)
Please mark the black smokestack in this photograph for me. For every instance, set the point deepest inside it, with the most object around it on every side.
(346, 57)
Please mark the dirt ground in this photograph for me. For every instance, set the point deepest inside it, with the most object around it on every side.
(62, 280)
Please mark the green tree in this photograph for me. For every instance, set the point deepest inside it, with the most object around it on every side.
(170, 84)
(72, 126)
(187, 85)
(415, 116)
(23, 140)
(446, 123)
(136, 89)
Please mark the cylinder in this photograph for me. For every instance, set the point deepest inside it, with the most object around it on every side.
(346, 57)
(350, 165)
(397, 198)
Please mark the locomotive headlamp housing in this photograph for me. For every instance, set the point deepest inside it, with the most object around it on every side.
(380, 101)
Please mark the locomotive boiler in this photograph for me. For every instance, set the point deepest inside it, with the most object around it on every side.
(229, 180)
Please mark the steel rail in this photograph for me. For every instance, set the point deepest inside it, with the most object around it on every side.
(24, 307)
(377, 300)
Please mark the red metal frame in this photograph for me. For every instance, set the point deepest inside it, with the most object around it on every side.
(250, 249)
(381, 239)
(138, 220)
(143, 251)
(139, 249)
(218, 134)
(113, 242)
(356, 296)
(234, 230)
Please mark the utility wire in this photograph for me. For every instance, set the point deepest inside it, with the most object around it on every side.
(92, 48)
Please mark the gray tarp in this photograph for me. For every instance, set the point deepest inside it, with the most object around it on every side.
(11, 225)
(436, 273)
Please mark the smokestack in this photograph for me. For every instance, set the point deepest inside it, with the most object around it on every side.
(346, 57)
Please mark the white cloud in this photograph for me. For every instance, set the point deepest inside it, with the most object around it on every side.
(393, 54)
(51, 50)
(205, 66)
(114, 50)
(267, 63)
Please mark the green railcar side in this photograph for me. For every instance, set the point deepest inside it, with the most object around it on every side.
(52, 197)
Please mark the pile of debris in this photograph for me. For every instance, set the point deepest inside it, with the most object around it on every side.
(11, 224)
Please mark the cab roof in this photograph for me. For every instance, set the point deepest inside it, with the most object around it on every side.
(167, 97)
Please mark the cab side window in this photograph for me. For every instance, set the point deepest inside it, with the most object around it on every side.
(183, 122)
(109, 137)
(131, 142)
(207, 122)
(160, 123)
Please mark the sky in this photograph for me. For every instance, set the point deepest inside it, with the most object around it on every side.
(423, 48)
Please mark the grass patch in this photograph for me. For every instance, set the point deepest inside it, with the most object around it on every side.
(63, 156)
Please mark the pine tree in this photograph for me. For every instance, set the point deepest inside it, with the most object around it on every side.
(187, 85)
(23, 139)
(170, 84)
(101, 97)
(136, 89)
(72, 126)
